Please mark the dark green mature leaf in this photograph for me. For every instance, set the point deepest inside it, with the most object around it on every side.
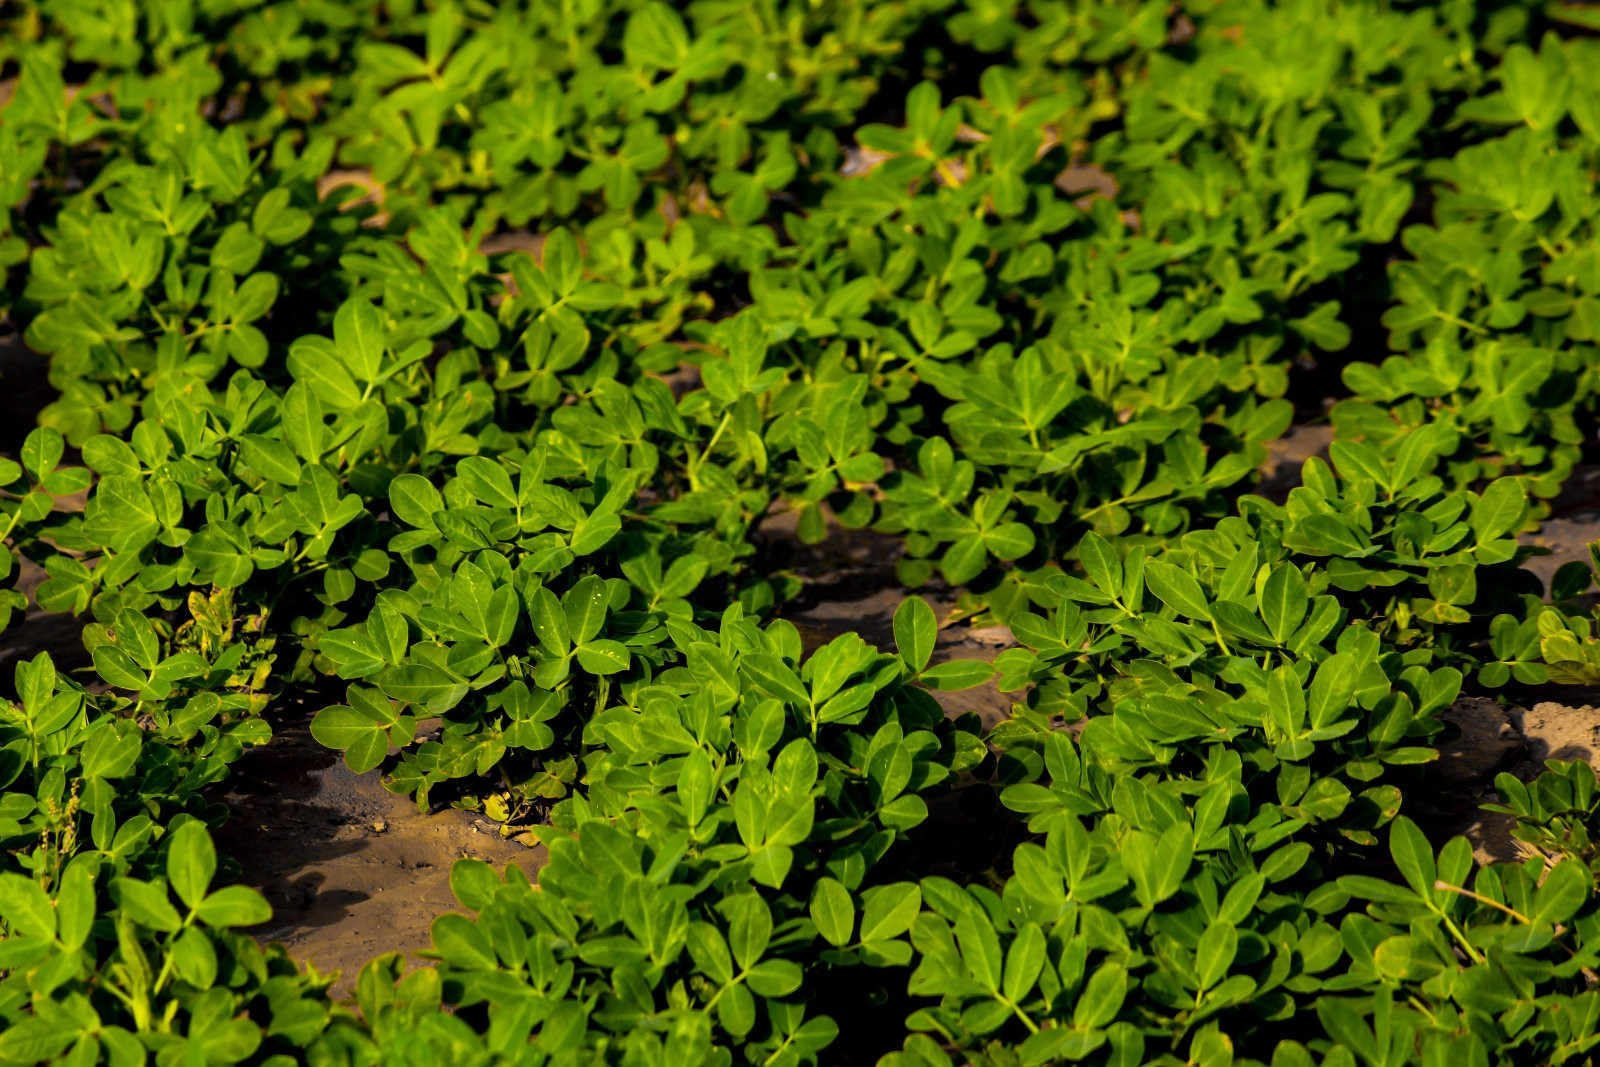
(888, 911)
(191, 863)
(1412, 855)
(270, 458)
(833, 911)
(957, 674)
(1499, 510)
(915, 632)
(1177, 589)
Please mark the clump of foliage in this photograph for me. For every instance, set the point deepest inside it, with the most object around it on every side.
(466, 362)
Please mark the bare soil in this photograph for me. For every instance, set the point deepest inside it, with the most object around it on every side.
(1573, 524)
(351, 870)
(1496, 738)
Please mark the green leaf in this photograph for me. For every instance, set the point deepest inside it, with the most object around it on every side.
(1158, 865)
(1332, 689)
(270, 458)
(964, 560)
(1102, 997)
(603, 656)
(549, 622)
(1284, 598)
(1499, 510)
(109, 455)
(26, 906)
(594, 532)
(75, 905)
(1178, 589)
(1412, 855)
(194, 957)
(1329, 535)
(1101, 563)
(1370, 888)
(585, 605)
(1215, 953)
(957, 674)
(489, 481)
(460, 942)
(191, 862)
(775, 677)
(364, 741)
(774, 978)
(833, 911)
(916, 630)
(358, 333)
(418, 683)
(302, 424)
(36, 1040)
(118, 668)
(1406, 958)
(315, 362)
(41, 451)
(415, 501)
(1359, 461)
(234, 905)
(1009, 541)
(1024, 962)
(147, 904)
(1565, 889)
(749, 926)
(980, 946)
(889, 910)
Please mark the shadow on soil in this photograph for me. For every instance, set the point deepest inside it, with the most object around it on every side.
(351, 870)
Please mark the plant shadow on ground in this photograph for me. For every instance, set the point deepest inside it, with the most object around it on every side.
(24, 389)
(351, 870)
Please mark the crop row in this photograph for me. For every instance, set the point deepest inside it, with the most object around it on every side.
(496, 449)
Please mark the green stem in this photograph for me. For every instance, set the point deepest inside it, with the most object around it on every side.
(1221, 641)
(695, 464)
(1455, 931)
(1008, 1002)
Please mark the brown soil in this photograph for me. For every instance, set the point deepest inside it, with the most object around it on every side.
(1566, 539)
(351, 870)
(1494, 739)
(1287, 453)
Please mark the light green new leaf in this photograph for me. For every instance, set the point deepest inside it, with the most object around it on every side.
(234, 905)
